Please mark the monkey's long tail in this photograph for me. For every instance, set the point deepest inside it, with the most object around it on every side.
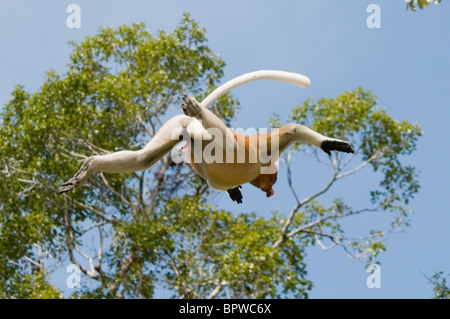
(281, 76)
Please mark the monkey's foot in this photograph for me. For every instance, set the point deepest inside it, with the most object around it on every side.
(336, 145)
(235, 194)
(79, 178)
(68, 186)
(190, 106)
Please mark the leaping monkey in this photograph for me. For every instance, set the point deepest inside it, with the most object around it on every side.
(247, 159)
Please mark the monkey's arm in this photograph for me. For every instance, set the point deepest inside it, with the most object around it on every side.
(287, 134)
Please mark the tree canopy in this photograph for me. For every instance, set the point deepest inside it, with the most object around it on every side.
(135, 234)
(411, 4)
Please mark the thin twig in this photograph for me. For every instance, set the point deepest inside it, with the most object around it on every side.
(95, 149)
(122, 198)
(97, 212)
(321, 220)
(356, 169)
(287, 158)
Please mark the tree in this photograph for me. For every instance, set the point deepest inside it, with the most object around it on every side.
(411, 4)
(132, 234)
(440, 286)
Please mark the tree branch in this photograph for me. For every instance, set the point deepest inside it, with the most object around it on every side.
(217, 290)
(289, 174)
(122, 198)
(356, 169)
(70, 243)
(178, 274)
(97, 212)
(126, 264)
(160, 176)
(337, 168)
(321, 220)
(298, 206)
(95, 149)
(98, 266)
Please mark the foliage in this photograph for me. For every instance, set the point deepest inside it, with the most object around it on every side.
(411, 4)
(29, 286)
(380, 142)
(440, 286)
(154, 232)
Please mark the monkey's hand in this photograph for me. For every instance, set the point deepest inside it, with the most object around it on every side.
(79, 178)
(336, 145)
(191, 107)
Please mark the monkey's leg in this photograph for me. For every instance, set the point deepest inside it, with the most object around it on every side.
(296, 132)
(130, 161)
(211, 123)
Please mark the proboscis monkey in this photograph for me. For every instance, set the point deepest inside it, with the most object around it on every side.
(242, 159)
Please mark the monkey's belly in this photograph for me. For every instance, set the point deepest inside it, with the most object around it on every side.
(221, 172)
(224, 176)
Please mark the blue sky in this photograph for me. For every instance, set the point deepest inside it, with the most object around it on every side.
(405, 63)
